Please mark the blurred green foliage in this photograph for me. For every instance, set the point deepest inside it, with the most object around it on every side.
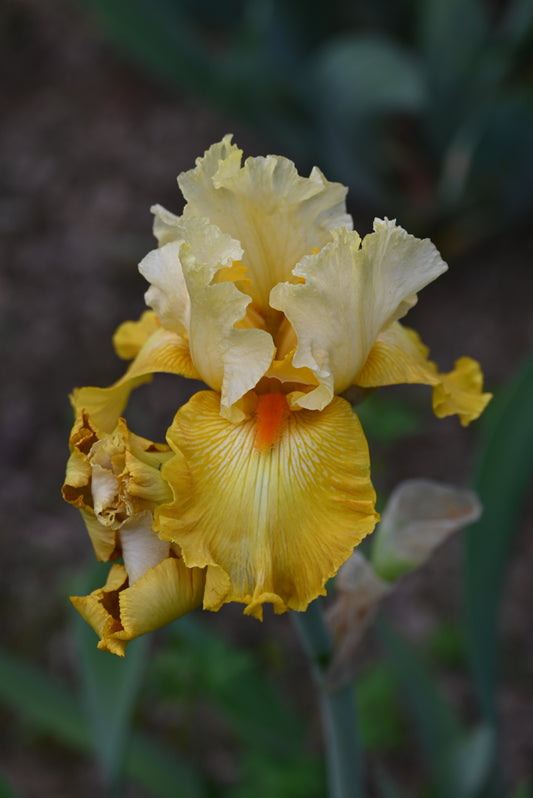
(424, 108)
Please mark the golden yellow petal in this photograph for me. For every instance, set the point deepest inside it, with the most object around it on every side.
(399, 356)
(130, 337)
(101, 610)
(277, 215)
(272, 506)
(103, 538)
(162, 595)
(119, 613)
(460, 392)
(164, 351)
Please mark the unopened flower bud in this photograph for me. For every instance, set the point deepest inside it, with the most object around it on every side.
(419, 516)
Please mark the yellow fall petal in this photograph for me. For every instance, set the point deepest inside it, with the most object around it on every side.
(276, 215)
(271, 506)
(101, 611)
(164, 351)
(399, 356)
(130, 336)
(119, 613)
(351, 291)
(162, 595)
(460, 391)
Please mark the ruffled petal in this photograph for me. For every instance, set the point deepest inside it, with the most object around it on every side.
(460, 391)
(348, 295)
(399, 356)
(272, 506)
(193, 290)
(163, 268)
(114, 479)
(119, 613)
(277, 215)
(230, 359)
(164, 351)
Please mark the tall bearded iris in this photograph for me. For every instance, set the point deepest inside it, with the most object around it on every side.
(262, 290)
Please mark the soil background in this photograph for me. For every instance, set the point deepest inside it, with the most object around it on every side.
(88, 143)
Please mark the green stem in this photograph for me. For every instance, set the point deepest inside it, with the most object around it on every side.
(343, 753)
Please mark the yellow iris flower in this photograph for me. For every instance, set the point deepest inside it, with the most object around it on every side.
(262, 290)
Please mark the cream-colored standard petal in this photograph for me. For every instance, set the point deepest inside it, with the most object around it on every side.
(229, 360)
(272, 506)
(399, 356)
(168, 294)
(277, 215)
(349, 294)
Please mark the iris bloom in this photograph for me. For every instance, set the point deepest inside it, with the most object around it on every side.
(262, 290)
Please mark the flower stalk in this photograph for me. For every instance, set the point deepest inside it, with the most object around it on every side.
(337, 707)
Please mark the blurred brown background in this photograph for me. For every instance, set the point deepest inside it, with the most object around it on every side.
(87, 144)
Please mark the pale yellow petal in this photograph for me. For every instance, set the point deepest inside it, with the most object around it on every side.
(399, 356)
(141, 548)
(230, 360)
(130, 336)
(168, 294)
(271, 506)
(277, 215)
(166, 225)
(349, 294)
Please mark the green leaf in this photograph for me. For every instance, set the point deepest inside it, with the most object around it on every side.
(387, 420)
(5, 789)
(380, 720)
(160, 36)
(524, 790)
(359, 81)
(387, 788)
(451, 35)
(54, 711)
(110, 686)
(467, 766)
(502, 481)
(199, 663)
(437, 726)
(46, 704)
(360, 76)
